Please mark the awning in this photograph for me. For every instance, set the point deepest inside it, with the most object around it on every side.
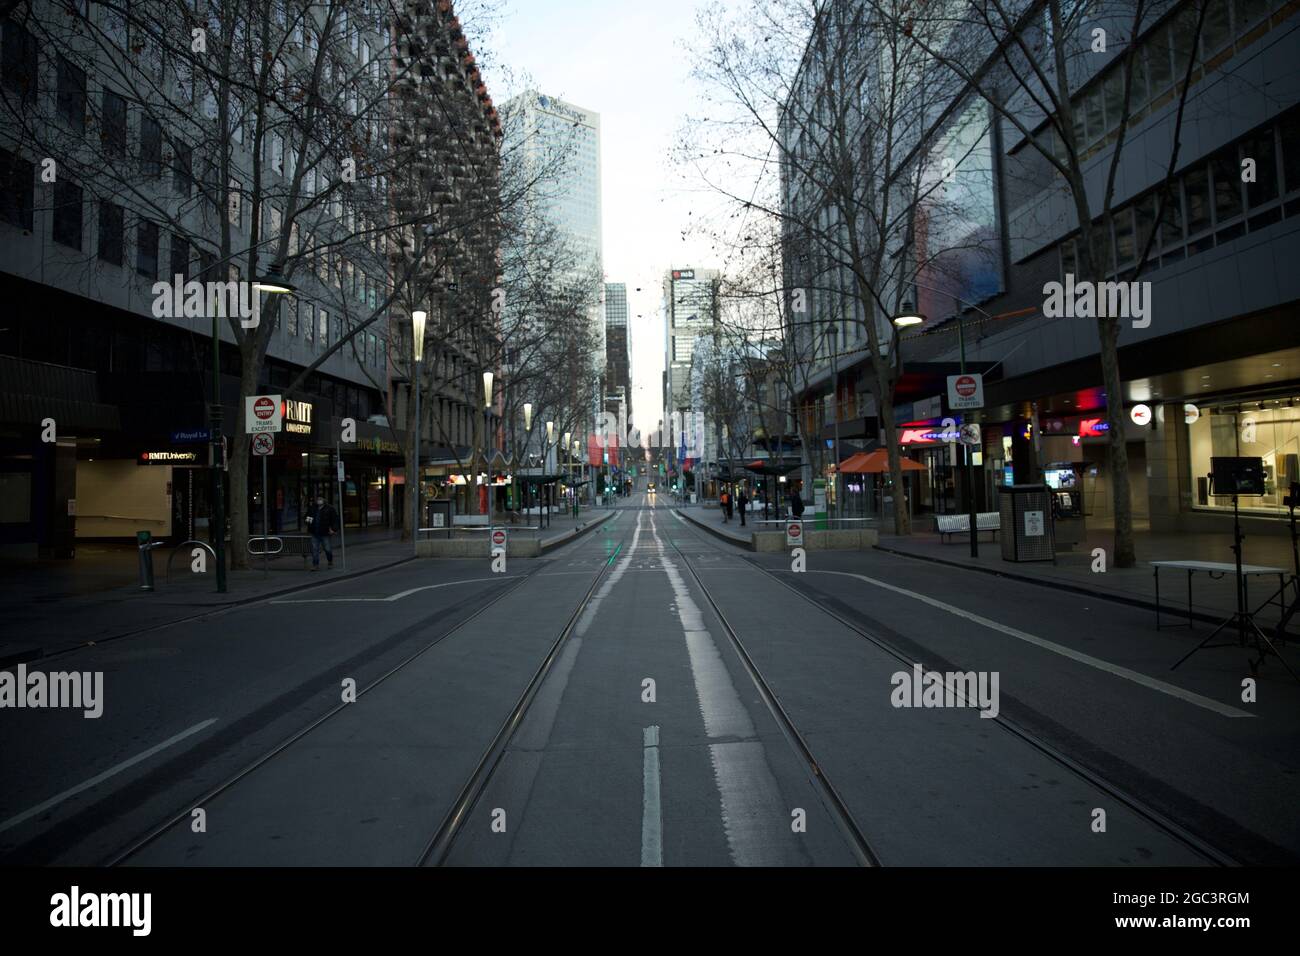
(876, 462)
(780, 466)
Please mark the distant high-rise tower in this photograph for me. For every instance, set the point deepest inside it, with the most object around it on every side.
(541, 127)
(690, 310)
(618, 374)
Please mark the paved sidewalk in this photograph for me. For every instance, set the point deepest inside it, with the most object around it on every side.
(1212, 600)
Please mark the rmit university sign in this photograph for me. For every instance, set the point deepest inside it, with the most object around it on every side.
(297, 417)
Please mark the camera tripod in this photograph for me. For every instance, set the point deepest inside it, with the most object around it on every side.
(1242, 620)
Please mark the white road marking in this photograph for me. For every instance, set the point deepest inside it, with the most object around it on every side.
(393, 597)
(753, 815)
(1114, 669)
(652, 841)
(100, 778)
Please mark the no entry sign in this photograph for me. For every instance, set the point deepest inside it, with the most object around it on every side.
(262, 413)
(263, 444)
(498, 537)
(794, 532)
(966, 391)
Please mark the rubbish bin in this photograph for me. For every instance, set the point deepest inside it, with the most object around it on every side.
(1025, 523)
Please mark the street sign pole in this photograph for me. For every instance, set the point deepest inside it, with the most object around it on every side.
(343, 534)
(266, 528)
(966, 450)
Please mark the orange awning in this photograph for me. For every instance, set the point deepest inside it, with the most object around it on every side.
(876, 462)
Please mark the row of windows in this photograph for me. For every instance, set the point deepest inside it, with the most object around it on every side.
(1208, 204)
(1160, 63)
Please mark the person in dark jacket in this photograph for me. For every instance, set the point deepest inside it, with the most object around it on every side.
(742, 502)
(322, 521)
(796, 504)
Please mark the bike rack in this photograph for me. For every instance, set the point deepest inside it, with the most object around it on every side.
(266, 538)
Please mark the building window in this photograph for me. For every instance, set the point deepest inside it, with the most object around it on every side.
(150, 148)
(67, 214)
(182, 168)
(324, 328)
(308, 320)
(180, 257)
(70, 98)
(291, 316)
(16, 178)
(1267, 429)
(111, 231)
(113, 133)
(146, 252)
(18, 61)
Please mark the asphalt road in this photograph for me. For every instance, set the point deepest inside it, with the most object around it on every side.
(593, 707)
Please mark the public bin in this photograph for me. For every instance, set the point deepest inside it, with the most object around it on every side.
(1026, 523)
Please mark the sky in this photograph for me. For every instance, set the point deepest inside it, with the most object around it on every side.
(625, 61)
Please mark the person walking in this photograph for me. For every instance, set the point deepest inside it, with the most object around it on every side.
(742, 501)
(724, 501)
(796, 505)
(322, 521)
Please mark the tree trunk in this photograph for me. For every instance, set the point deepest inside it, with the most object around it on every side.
(1124, 555)
(902, 520)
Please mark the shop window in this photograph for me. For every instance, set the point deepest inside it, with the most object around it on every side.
(16, 178)
(111, 232)
(1269, 430)
(67, 214)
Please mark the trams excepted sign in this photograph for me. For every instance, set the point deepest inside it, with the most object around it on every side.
(794, 533)
(966, 391)
(262, 413)
(264, 444)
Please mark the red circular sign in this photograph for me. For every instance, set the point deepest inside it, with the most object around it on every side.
(794, 530)
(263, 408)
(965, 386)
(498, 537)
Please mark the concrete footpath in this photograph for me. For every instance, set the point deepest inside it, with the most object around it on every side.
(52, 606)
(1212, 599)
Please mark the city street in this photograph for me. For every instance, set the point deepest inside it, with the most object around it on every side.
(649, 695)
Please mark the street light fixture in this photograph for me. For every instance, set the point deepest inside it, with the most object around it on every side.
(418, 320)
(274, 283)
(908, 317)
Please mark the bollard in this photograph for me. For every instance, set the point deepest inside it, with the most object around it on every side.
(146, 558)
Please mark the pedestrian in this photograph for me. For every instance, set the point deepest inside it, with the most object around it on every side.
(742, 500)
(796, 504)
(322, 521)
(731, 506)
(724, 500)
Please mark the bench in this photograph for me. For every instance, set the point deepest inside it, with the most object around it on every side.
(948, 525)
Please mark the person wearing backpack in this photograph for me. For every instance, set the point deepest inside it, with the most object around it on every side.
(724, 501)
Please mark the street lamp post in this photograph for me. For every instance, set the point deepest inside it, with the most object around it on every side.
(909, 317)
(418, 320)
(835, 411)
(550, 437)
(487, 441)
(528, 431)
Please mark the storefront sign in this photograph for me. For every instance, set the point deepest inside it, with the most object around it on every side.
(1140, 414)
(191, 436)
(928, 436)
(168, 458)
(1190, 413)
(297, 417)
(1093, 427)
